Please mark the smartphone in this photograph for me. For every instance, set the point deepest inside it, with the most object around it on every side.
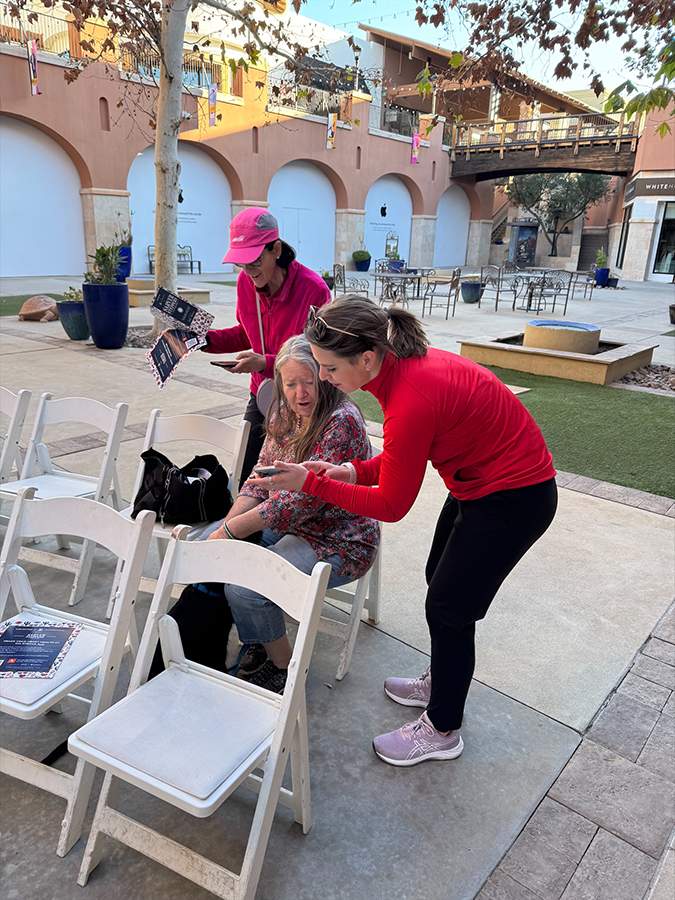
(266, 471)
(224, 363)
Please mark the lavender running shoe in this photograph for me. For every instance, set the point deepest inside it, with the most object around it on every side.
(416, 742)
(410, 691)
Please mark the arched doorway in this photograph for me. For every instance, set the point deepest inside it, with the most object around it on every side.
(41, 224)
(453, 215)
(388, 212)
(203, 215)
(303, 201)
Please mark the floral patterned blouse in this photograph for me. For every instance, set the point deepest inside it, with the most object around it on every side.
(327, 528)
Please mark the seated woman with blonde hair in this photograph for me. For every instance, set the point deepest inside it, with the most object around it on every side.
(308, 419)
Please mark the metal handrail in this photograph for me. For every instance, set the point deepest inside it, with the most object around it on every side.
(494, 135)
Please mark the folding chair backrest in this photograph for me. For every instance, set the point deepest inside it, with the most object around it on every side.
(237, 562)
(127, 539)
(226, 439)
(14, 408)
(107, 419)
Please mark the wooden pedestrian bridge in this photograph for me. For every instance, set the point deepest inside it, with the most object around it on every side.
(593, 142)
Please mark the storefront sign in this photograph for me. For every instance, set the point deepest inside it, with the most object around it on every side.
(331, 130)
(33, 68)
(649, 187)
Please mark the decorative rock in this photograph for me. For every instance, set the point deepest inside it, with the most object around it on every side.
(661, 378)
(39, 309)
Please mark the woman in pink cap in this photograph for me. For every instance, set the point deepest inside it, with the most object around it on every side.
(274, 295)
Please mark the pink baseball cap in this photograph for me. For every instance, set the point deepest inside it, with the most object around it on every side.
(250, 231)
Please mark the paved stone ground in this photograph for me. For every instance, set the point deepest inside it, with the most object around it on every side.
(581, 807)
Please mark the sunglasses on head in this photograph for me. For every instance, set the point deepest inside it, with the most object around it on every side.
(320, 325)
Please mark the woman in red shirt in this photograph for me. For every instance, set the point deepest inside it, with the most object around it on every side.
(489, 451)
(274, 296)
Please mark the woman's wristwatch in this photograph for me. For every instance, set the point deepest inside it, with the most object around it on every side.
(352, 472)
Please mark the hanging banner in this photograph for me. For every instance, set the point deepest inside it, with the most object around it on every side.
(346, 108)
(33, 67)
(213, 96)
(415, 148)
(331, 130)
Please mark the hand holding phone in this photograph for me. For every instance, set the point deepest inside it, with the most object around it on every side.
(224, 363)
(266, 471)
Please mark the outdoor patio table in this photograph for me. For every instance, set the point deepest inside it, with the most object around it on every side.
(395, 285)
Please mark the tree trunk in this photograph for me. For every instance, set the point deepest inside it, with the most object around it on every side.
(167, 167)
(554, 244)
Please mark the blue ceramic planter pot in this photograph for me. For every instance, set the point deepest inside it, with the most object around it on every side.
(74, 319)
(395, 265)
(601, 277)
(107, 310)
(362, 265)
(124, 268)
(471, 291)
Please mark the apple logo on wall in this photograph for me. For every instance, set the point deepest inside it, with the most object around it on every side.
(383, 210)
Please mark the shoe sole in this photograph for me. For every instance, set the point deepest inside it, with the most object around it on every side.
(403, 701)
(437, 754)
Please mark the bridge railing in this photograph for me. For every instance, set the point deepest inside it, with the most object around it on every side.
(497, 136)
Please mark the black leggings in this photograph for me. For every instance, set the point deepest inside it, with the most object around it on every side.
(476, 544)
(256, 438)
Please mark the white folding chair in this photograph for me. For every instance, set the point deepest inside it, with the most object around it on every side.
(39, 472)
(366, 594)
(227, 440)
(13, 407)
(97, 650)
(199, 733)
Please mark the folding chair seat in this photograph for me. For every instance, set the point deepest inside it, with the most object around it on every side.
(97, 649)
(49, 481)
(366, 595)
(192, 735)
(14, 408)
(228, 442)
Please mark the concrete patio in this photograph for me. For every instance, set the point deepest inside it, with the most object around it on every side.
(566, 787)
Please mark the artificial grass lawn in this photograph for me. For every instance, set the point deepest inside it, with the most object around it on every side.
(10, 306)
(626, 437)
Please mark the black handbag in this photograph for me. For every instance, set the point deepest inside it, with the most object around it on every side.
(197, 492)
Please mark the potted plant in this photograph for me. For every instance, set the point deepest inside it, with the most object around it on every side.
(72, 314)
(361, 260)
(472, 288)
(329, 279)
(106, 300)
(124, 242)
(601, 270)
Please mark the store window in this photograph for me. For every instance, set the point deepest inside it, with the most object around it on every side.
(664, 262)
(624, 236)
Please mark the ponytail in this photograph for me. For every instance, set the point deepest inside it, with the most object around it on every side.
(405, 334)
(353, 324)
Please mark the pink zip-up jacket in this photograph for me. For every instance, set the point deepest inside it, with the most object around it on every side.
(283, 315)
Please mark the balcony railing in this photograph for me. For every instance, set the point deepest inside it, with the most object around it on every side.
(50, 33)
(395, 119)
(61, 37)
(496, 136)
(284, 93)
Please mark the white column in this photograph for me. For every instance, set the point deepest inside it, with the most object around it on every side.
(478, 245)
(106, 215)
(641, 231)
(422, 239)
(350, 227)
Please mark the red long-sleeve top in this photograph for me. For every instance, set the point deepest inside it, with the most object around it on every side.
(446, 409)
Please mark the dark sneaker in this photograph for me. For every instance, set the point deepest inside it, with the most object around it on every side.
(253, 659)
(410, 691)
(268, 677)
(416, 742)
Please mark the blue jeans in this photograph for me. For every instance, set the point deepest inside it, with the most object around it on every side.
(260, 621)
